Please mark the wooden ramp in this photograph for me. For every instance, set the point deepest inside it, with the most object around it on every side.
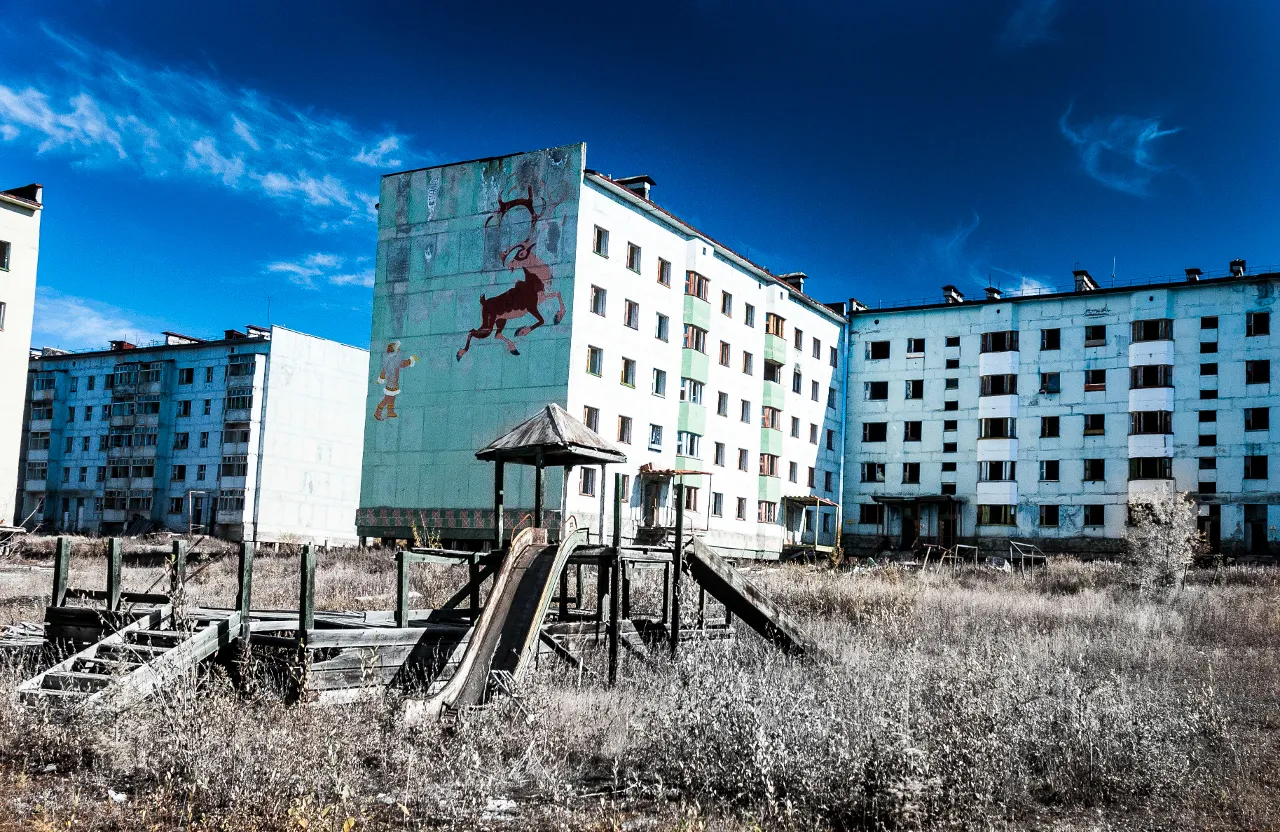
(741, 597)
(131, 664)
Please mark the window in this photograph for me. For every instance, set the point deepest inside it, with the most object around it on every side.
(749, 314)
(696, 285)
(691, 390)
(598, 299)
(38, 440)
(1208, 346)
(724, 353)
(37, 470)
(1257, 323)
(695, 338)
(175, 505)
(1207, 488)
(915, 346)
(873, 472)
(875, 390)
(688, 444)
(871, 514)
(811, 477)
(1255, 467)
(793, 472)
(186, 375)
(745, 411)
(910, 473)
(67, 448)
(952, 341)
(1050, 383)
(813, 434)
(1050, 339)
(204, 439)
(1208, 394)
(659, 382)
(181, 441)
(722, 404)
(947, 488)
(234, 466)
(817, 349)
(663, 325)
(1002, 385)
(1049, 516)
(1150, 468)
(999, 428)
(1151, 375)
(741, 512)
(795, 427)
(1156, 329)
(1048, 470)
(595, 361)
(717, 504)
(200, 472)
(1209, 322)
(877, 350)
(997, 471)
(633, 257)
(775, 325)
(84, 443)
(726, 304)
(997, 515)
(799, 339)
(718, 459)
(591, 418)
(948, 447)
(915, 388)
(179, 473)
(655, 437)
(1095, 380)
(813, 390)
(664, 272)
(41, 411)
(748, 363)
(797, 383)
(71, 414)
(948, 467)
(951, 405)
(5, 250)
(742, 459)
(208, 377)
(587, 481)
(767, 512)
(1207, 440)
(911, 432)
(833, 357)
(772, 371)
(771, 418)
(629, 372)
(600, 244)
(1257, 372)
(184, 408)
(953, 364)
(1151, 422)
(1095, 470)
(1208, 463)
(831, 440)
(1095, 336)
(1257, 418)
(951, 384)
(1209, 369)
(1095, 424)
(631, 314)
(624, 430)
(875, 431)
(950, 425)
(831, 397)
(1000, 341)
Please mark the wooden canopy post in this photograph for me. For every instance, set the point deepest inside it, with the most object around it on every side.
(498, 499)
(178, 569)
(615, 566)
(307, 593)
(244, 588)
(677, 559)
(402, 588)
(538, 467)
(61, 569)
(115, 563)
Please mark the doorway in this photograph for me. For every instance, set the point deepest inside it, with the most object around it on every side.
(910, 525)
(1255, 529)
(652, 499)
(946, 526)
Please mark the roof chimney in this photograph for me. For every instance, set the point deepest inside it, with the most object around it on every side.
(638, 185)
(993, 293)
(1084, 281)
(1193, 274)
(951, 294)
(1237, 268)
(795, 280)
(856, 305)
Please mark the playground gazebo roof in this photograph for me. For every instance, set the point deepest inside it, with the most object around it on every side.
(551, 438)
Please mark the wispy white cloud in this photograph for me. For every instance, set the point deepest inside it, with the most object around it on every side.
(1119, 151)
(75, 323)
(1030, 22)
(99, 108)
(329, 268)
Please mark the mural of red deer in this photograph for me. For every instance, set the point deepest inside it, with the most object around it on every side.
(530, 291)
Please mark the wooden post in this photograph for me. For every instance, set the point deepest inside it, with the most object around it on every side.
(625, 600)
(402, 588)
(61, 569)
(178, 569)
(677, 563)
(615, 566)
(666, 593)
(537, 492)
(498, 507)
(473, 577)
(244, 588)
(115, 562)
(307, 592)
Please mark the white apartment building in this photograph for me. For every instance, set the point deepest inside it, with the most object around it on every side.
(702, 367)
(253, 436)
(1040, 417)
(20, 210)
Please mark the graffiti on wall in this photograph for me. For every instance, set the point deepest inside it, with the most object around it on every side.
(393, 361)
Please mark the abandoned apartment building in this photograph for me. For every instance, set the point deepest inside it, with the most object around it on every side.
(253, 436)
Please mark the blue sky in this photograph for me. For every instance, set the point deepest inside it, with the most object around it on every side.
(203, 160)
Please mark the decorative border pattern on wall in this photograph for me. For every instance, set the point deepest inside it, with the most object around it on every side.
(449, 518)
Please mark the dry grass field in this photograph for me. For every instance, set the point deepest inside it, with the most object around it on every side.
(1064, 699)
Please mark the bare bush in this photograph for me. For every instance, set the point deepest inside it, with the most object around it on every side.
(1162, 538)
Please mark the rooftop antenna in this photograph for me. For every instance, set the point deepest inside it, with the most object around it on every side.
(1113, 267)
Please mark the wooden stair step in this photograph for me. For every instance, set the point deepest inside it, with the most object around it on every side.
(105, 667)
(156, 638)
(75, 681)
